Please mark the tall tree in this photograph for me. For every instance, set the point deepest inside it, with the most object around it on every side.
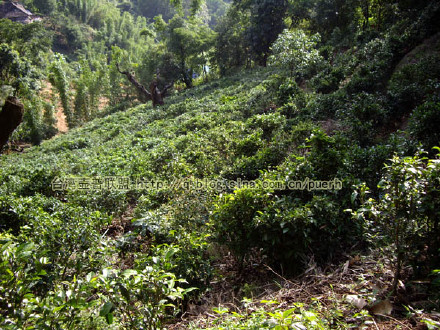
(266, 23)
(188, 40)
(46, 7)
(231, 48)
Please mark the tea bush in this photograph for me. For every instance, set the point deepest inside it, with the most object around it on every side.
(413, 83)
(426, 118)
(404, 213)
(375, 60)
(291, 231)
(233, 219)
(362, 114)
(120, 257)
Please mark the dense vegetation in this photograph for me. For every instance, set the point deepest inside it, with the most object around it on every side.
(69, 58)
(122, 221)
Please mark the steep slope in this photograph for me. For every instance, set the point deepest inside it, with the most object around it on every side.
(107, 220)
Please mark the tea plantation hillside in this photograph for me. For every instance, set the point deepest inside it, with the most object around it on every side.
(290, 180)
(123, 222)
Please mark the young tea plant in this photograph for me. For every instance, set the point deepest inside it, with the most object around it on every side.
(398, 214)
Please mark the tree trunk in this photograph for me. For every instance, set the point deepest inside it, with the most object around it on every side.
(10, 117)
(144, 94)
(155, 95)
(186, 76)
(366, 13)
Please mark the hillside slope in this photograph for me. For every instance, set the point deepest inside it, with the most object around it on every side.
(141, 211)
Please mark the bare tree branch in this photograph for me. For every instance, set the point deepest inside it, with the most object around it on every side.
(155, 95)
(140, 88)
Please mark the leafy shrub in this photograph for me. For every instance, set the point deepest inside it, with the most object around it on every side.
(326, 155)
(140, 298)
(40, 180)
(269, 123)
(186, 256)
(257, 101)
(413, 83)
(10, 219)
(328, 80)
(296, 51)
(404, 213)
(300, 132)
(249, 145)
(291, 98)
(297, 316)
(103, 201)
(326, 106)
(363, 114)
(17, 212)
(21, 269)
(174, 231)
(134, 298)
(233, 219)
(367, 163)
(424, 119)
(287, 230)
(67, 233)
(149, 222)
(249, 168)
(431, 202)
(290, 231)
(375, 62)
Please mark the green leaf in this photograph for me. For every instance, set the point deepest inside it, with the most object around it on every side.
(25, 247)
(170, 253)
(288, 312)
(56, 309)
(77, 303)
(125, 293)
(221, 310)
(354, 195)
(106, 308)
(188, 290)
(109, 318)
(129, 272)
(5, 245)
(269, 302)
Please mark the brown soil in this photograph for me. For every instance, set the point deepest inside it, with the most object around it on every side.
(120, 226)
(363, 278)
(48, 95)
